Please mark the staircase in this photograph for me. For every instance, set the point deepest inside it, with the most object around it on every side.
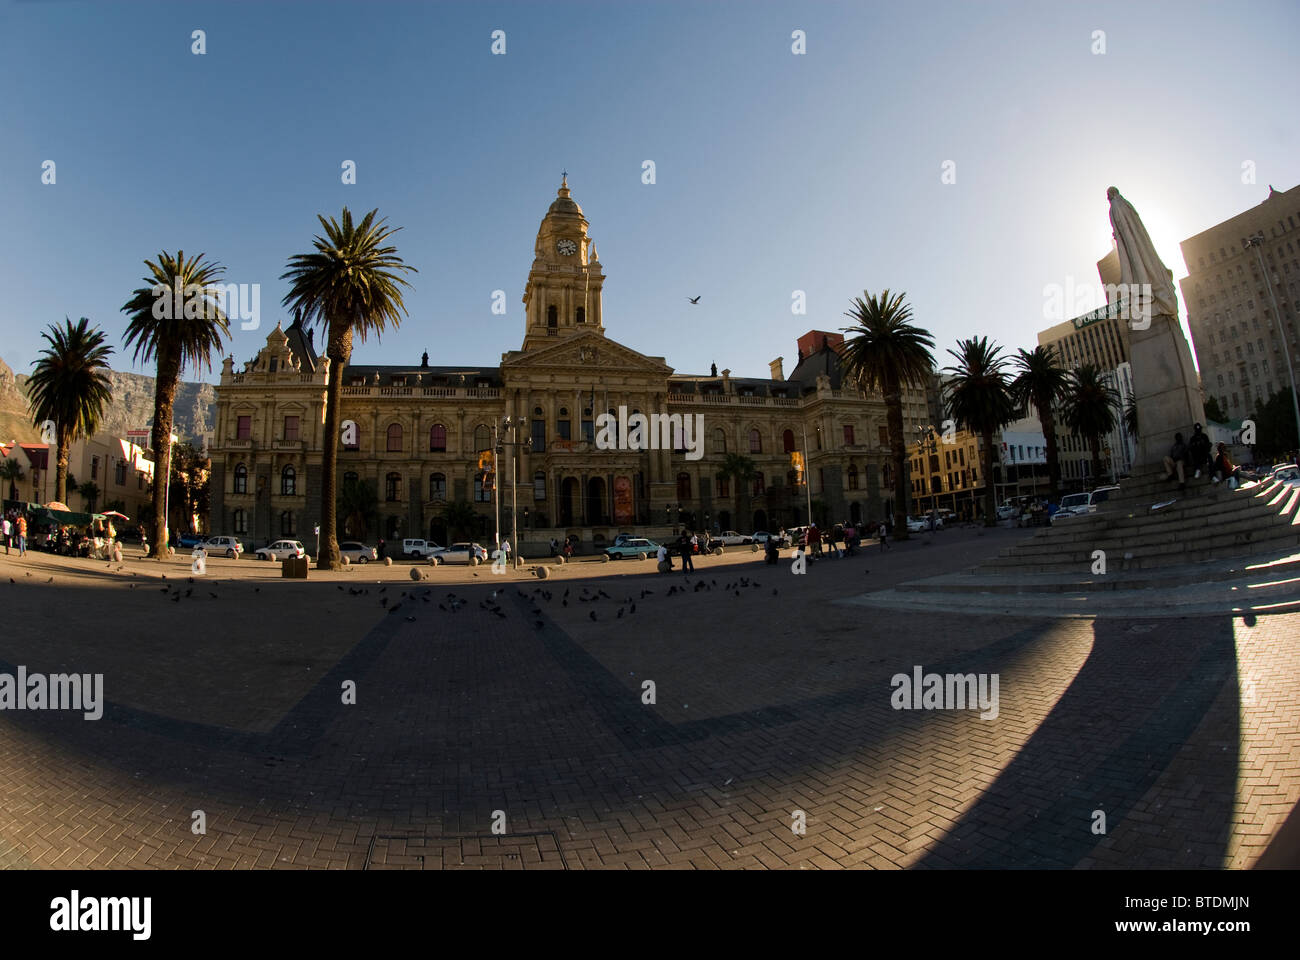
(1205, 550)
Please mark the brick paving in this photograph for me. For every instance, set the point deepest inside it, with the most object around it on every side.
(771, 698)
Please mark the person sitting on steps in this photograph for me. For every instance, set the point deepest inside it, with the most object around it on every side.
(1176, 462)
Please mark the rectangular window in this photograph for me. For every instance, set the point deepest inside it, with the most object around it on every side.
(884, 436)
(481, 495)
(245, 428)
(119, 472)
(291, 428)
(94, 468)
(539, 436)
(848, 435)
(562, 429)
(539, 487)
(589, 431)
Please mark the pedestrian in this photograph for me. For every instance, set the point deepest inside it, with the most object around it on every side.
(505, 551)
(379, 550)
(837, 534)
(1176, 462)
(8, 531)
(685, 546)
(884, 536)
(568, 549)
(771, 551)
(555, 547)
(695, 543)
(814, 540)
(22, 534)
(1198, 450)
(663, 557)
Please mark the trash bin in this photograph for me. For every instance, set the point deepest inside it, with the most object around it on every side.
(294, 568)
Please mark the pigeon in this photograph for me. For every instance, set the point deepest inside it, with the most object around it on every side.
(410, 619)
(694, 299)
(633, 610)
(620, 613)
(189, 591)
(51, 580)
(212, 595)
(176, 598)
(774, 591)
(564, 603)
(593, 615)
(538, 624)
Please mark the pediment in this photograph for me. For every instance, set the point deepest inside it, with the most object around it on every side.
(587, 351)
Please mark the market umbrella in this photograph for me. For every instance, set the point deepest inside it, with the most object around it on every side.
(56, 505)
(114, 513)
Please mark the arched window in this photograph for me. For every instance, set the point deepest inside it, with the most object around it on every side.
(241, 479)
(539, 486)
(393, 487)
(437, 438)
(437, 487)
(394, 438)
(482, 439)
(288, 524)
(755, 442)
(853, 476)
(552, 316)
(288, 481)
(582, 314)
(759, 488)
(683, 486)
(787, 441)
(239, 520)
(720, 440)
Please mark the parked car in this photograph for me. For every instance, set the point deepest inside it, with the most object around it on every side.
(761, 537)
(189, 539)
(638, 547)
(730, 538)
(468, 553)
(921, 524)
(223, 546)
(280, 550)
(357, 552)
(1008, 511)
(1078, 504)
(419, 549)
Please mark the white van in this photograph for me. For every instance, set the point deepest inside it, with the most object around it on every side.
(419, 549)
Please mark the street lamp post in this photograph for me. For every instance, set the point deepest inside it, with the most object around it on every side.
(1257, 242)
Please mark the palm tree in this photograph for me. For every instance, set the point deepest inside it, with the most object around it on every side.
(70, 387)
(979, 396)
(1131, 417)
(884, 351)
(359, 505)
(1040, 381)
(742, 470)
(351, 287)
(1091, 410)
(176, 320)
(90, 490)
(12, 471)
(460, 517)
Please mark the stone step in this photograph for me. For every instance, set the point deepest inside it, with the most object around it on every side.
(985, 580)
(1148, 558)
(1115, 536)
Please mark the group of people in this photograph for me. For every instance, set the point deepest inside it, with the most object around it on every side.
(14, 527)
(1197, 455)
(818, 542)
(562, 550)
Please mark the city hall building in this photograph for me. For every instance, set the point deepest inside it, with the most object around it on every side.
(420, 430)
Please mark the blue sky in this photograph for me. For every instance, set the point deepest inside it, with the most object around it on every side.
(775, 172)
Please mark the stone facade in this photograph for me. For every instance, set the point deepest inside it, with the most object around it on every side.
(420, 430)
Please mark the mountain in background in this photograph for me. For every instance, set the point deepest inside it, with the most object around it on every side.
(131, 407)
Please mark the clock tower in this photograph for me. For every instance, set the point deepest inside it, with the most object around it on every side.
(562, 295)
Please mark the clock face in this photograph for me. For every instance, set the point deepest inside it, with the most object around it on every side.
(567, 248)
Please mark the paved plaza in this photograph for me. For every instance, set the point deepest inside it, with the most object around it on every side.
(1117, 742)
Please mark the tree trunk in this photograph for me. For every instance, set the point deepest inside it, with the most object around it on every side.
(63, 448)
(1053, 456)
(990, 489)
(340, 349)
(898, 456)
(164, 399)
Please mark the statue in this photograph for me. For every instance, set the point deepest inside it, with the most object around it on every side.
(713, 370)
(1165, 388)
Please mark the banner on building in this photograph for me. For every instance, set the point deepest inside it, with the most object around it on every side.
(622, 500)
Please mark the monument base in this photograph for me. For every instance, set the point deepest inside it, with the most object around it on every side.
(1165, 390)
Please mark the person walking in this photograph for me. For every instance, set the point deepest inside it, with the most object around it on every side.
(685, 544)
(884, 536)
(8, 532)
(505, 551)
(22, 534)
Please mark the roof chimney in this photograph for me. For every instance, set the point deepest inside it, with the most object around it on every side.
(775, 366)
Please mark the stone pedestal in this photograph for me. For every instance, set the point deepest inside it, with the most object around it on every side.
(1165, 390)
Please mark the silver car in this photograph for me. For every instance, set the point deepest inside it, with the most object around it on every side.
(357, 552)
